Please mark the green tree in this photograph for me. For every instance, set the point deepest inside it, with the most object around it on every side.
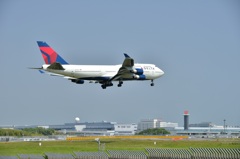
(12, 132)
(154, 131)
(40, 131)
(27, 132)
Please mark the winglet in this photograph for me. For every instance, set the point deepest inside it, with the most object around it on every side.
(126, 55)
(128, 61)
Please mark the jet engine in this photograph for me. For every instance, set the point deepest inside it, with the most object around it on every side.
(138, 71)
(139, 77)
(77, 81)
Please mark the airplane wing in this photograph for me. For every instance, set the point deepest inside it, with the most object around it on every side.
(126, 68)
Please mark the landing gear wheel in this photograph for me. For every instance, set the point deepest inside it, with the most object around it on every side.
(104, 86)
(120, 83)
(152, 84)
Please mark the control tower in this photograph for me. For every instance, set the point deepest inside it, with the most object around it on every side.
(186, 119)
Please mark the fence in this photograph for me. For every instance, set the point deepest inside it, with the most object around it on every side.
(91, 155)
(208, 153)
(124, 154)
(150, 153)
(23, 156)
(8, 157)
(58, 156)
(168, 153)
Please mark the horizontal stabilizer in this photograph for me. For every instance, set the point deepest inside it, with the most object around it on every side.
(36, 68)
(41, 71)
(55, 74)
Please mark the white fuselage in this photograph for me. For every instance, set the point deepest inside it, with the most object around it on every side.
(93, 72)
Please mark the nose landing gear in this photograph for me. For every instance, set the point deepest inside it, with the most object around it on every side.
(152, 84)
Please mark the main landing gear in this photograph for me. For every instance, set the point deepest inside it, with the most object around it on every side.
(107, 84)
(104, 86)
(152, 84)
(120, 84)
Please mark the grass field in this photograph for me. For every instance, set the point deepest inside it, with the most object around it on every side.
(14, 148)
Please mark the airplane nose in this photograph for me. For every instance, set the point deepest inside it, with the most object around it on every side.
(159, 72)
(162, 72)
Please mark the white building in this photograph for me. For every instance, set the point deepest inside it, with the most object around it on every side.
(154, 123)
(80, 128)
(148, 124)
(125, 129)
(168, 125)
(215, 130)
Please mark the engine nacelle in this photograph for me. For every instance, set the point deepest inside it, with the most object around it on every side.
(77, 81)
(139, 77)
(138, 71)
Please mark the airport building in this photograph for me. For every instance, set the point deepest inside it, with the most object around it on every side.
(125, 129)
(148, 124)
(155, 123)
(103, 128)
(202, 124)
(203, 129)
(208, 131)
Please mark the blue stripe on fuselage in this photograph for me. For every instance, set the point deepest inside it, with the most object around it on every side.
(108, 78)
(96, 78)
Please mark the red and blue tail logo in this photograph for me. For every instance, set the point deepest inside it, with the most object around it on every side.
(49, 55)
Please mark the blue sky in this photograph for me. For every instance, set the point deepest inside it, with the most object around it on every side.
(196, 44)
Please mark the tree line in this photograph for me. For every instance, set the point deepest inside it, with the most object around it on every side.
(27, 132)
(45, 132)
(154, 131)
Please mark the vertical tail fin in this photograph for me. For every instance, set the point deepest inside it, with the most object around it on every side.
(49, 55)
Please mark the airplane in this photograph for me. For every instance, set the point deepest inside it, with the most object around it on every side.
(55, 65)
